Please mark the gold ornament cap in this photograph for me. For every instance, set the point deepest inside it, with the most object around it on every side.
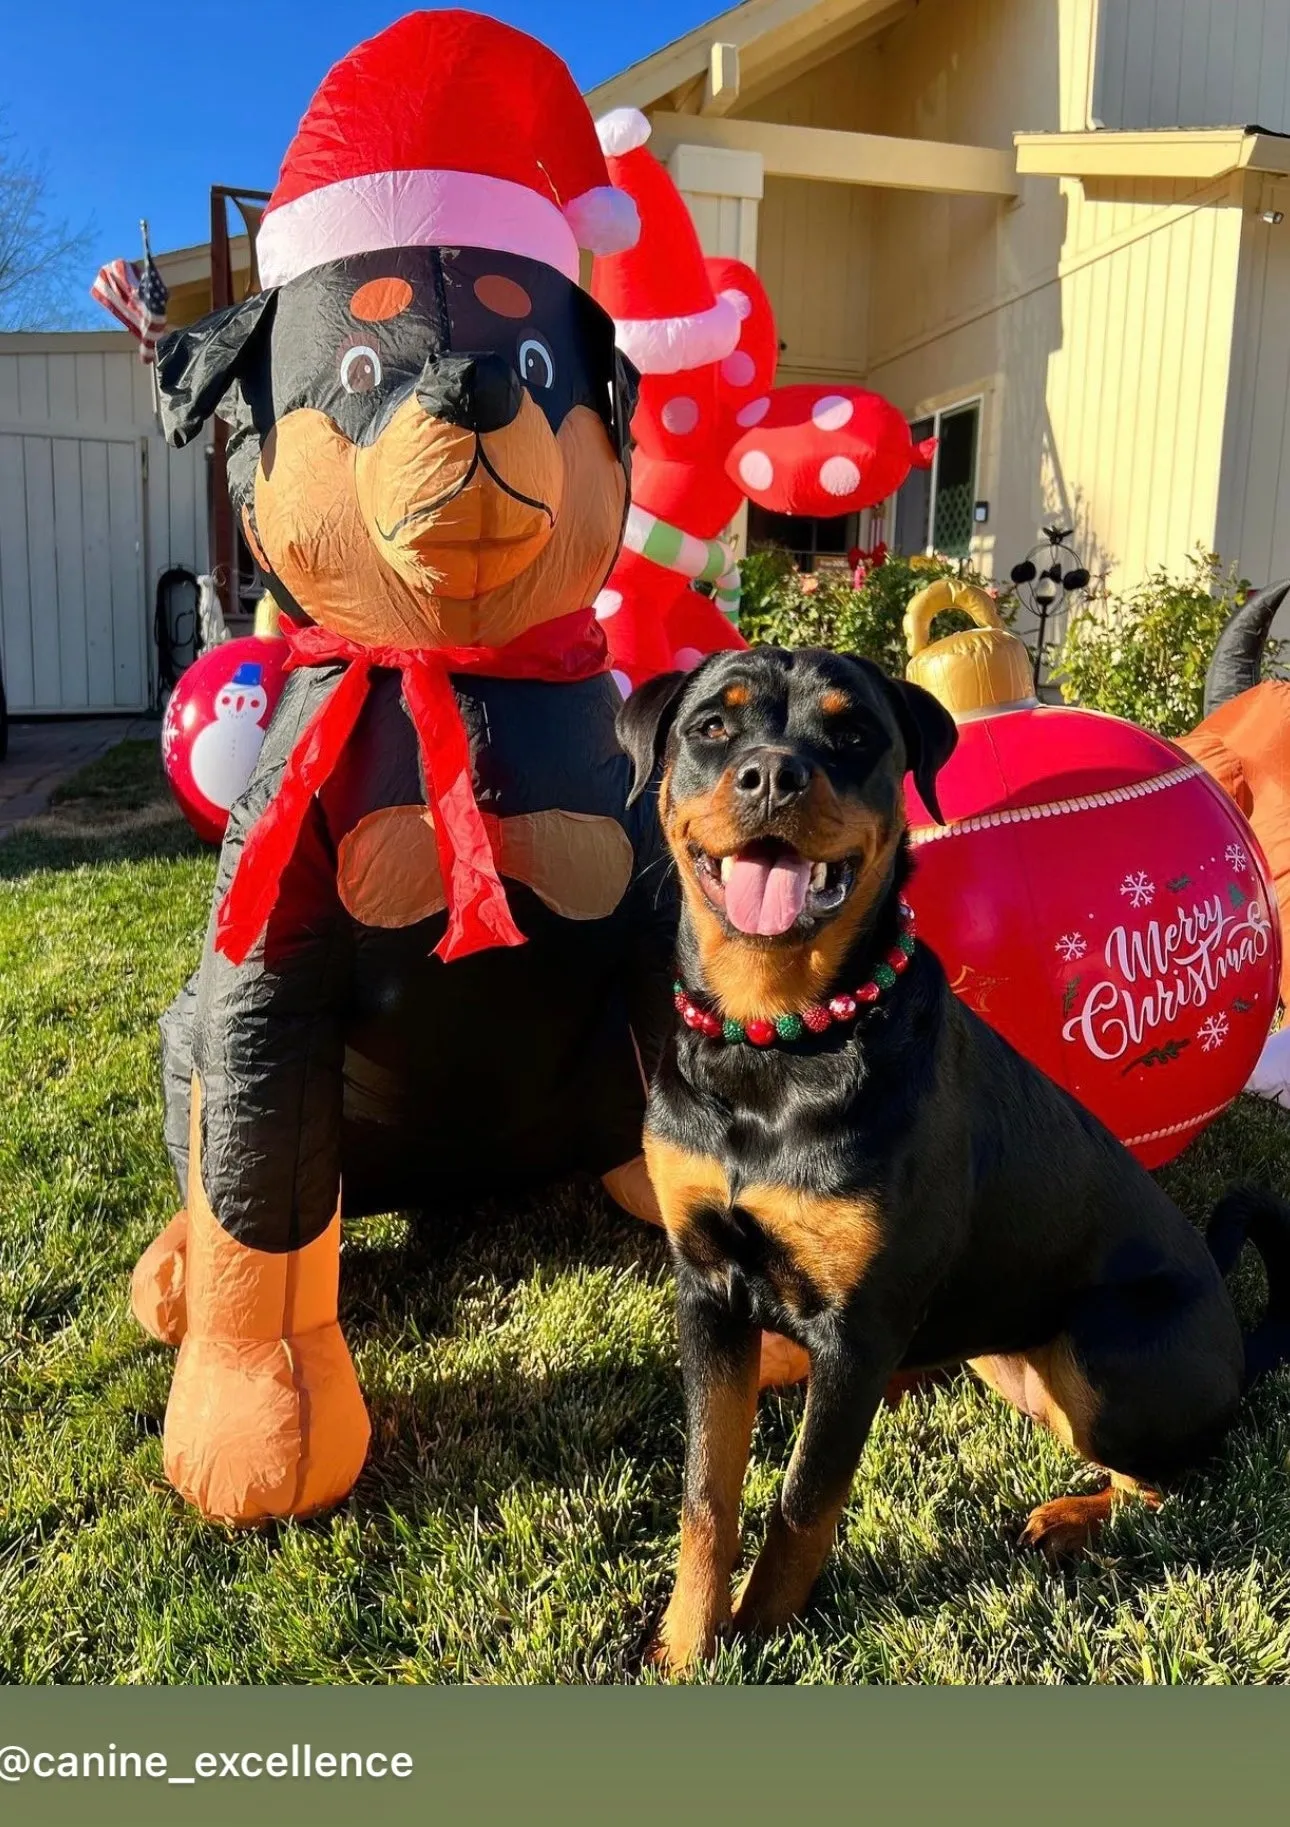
(976, 670)
(267, 617)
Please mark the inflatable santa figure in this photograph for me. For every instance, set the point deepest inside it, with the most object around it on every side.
(711, 429)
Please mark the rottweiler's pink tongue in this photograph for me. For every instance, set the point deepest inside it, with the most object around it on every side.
(766, 894)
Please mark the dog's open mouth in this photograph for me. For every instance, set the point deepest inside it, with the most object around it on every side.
(767, 887)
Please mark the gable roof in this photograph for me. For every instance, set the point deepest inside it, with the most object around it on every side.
(776, 39)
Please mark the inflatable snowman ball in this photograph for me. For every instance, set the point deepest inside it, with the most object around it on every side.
(214, 727)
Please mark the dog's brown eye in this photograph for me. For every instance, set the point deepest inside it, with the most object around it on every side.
(360, 369)
(713, 729)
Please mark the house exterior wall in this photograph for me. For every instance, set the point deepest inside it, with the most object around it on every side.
(87, 482)
(1095, 322)
(1253, 519)
(814, 256)
(1193, 63)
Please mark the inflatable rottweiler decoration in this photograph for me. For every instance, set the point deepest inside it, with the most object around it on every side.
(438, 954)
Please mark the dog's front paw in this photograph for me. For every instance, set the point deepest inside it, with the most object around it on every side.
(258, 1429)
(686, 1638)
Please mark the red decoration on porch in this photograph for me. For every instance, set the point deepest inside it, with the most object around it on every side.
(214, 727)
(711, 428)
(1094, 896)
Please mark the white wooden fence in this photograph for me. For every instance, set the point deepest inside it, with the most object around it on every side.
(93, 508)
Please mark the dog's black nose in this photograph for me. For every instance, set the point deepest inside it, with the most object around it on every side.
(772, 778)
(477, 392)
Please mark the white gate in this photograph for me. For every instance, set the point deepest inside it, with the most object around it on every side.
(72, 626)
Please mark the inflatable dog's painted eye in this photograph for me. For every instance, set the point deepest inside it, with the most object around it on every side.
(536, 365)
(360, 369)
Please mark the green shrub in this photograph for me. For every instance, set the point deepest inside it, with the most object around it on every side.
(1143, 655)
(769, 584)
(785, 608)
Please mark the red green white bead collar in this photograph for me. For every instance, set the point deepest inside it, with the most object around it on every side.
(838, 1011)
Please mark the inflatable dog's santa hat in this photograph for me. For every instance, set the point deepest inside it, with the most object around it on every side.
(666, 315)
(446, 130)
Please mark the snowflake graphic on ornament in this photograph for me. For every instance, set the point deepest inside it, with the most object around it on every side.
(1212, 1033)
(1139, 887)
(1072, 947)
(1236, 856)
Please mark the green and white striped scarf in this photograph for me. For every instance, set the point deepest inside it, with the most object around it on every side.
(708, 561)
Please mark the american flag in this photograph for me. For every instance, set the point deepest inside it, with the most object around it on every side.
(137, 297)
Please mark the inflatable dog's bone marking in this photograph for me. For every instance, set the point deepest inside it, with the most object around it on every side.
(439, 951)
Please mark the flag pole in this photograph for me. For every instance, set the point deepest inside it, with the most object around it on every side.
(152, 365)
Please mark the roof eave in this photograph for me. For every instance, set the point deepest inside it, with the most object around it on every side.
(1203, 154)
(647, 83)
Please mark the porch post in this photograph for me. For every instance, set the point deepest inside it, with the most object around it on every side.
(722, 190)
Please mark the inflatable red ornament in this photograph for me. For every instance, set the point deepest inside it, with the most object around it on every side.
(1094, 896)
(214, 726)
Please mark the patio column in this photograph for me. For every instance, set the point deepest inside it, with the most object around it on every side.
(722, 190)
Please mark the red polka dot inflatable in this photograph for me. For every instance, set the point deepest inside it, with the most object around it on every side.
(711, 428)
(811, 451)
(1094, 895)
(214, 726)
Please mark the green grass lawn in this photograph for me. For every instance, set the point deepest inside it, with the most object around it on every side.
(517, 1517)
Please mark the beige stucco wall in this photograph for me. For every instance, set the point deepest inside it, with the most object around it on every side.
(1096, 326)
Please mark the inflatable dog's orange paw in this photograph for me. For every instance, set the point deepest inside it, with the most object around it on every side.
(782, 1362)
(263, 1429)
(159, 1285)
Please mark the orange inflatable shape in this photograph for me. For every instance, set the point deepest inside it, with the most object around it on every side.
(1244, 741)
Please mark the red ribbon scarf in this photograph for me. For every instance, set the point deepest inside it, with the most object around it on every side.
(562, 651)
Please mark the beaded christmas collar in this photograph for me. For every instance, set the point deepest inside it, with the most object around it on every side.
(838, 1011)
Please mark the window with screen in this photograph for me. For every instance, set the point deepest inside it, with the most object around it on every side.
(810, 541)
(934, 507)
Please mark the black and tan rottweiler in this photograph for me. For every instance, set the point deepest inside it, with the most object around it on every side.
(899, 1190)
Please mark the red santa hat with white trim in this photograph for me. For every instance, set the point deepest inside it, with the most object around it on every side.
(659, 294)
(448, 129)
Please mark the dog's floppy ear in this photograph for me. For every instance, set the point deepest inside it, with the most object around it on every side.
(929, 733)
(644, 723)
(197, 366)
(927, 730)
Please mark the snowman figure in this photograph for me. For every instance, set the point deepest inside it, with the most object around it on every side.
(225, 751)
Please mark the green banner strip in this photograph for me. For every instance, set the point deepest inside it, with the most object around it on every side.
(790, 1757)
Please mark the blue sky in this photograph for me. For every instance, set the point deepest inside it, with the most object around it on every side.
(137, 113)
